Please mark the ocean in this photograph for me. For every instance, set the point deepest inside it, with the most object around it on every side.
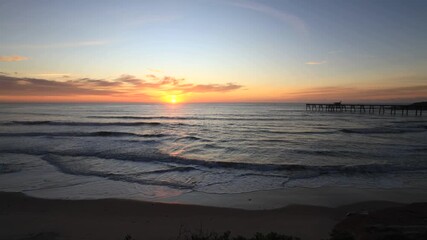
(153, 151)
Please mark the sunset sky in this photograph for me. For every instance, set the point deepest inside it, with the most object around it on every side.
(213, 51)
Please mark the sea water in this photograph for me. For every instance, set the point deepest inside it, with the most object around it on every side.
(158, 150)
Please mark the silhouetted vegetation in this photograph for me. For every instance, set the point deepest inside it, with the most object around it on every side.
(227, 236)
(341, 235)
(335, 235)
(128, 237)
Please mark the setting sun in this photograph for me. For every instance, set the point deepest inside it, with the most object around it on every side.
(173, 99)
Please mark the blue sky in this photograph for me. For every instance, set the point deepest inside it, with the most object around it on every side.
(268, 47)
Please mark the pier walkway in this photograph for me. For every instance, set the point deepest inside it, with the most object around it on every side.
(415, 109)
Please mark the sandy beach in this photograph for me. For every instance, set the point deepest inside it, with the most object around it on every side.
(23, 217)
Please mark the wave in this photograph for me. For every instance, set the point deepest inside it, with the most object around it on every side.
(286, 132)
(382, 130)
(180, 175)
(58, 123)
(8, 168)
(175, 169)
(133, 178)
(257, 167)
(289, 172)
(192, 138)
(248, 118)
(81, 134)
(33, 114)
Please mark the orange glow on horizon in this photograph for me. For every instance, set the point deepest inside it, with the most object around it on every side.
(253, 93)
(172, 99)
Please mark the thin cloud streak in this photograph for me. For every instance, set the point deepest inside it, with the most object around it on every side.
(51, 74)
(295, 22)
(209, 88)
(59, 45)
(315, 62)
(14, 58)
(412, 93)
(155, 70)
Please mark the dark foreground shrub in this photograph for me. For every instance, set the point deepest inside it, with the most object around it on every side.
(341, 235)
(227, 236)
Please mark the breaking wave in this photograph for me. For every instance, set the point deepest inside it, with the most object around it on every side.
(92, 124)
(81, 134)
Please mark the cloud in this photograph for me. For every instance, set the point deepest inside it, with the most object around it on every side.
(134, 82)
(51, 74)
(130, 80)
(203, 88)
(13, 58)
(324, 91)
(13, 86)
(412, 93)
(171, 80)
(408, 80)
(125, 85)
(59, 45)
(152, 76)
(295, 22)
(155, 70)
(405, 91)
(315, 62)
(93, 83)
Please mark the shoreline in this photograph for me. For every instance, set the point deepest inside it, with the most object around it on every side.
(23, 217)
(269, 199)
(332, 197)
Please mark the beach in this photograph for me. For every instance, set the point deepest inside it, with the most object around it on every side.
(23, 217)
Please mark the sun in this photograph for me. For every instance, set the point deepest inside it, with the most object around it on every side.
(173, 99)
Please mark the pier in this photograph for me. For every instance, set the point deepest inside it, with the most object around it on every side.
(393, 109)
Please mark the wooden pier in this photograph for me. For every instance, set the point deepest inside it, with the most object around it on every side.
(405, 110)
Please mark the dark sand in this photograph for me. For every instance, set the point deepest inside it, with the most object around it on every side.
(23, 217)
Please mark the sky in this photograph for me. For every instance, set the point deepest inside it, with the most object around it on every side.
(213, 51)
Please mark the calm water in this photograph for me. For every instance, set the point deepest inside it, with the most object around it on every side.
(154, 151)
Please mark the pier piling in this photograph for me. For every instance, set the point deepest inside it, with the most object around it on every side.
(416, 108)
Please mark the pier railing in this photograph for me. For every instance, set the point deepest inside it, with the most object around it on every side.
(393, 109)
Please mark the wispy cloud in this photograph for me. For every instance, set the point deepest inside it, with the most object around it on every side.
(151, 76)
(351, 94)
(295, 22)
(14, 58)
(201, 88)
(59, 45)
(155, 70)
(315, 62)
(404, 79)
(51, 74)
